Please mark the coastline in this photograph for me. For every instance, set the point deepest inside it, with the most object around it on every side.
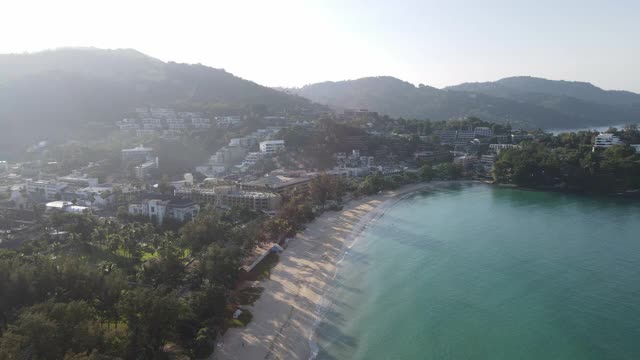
(287, 312)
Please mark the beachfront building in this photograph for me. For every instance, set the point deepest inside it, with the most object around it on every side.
(271, 146)
(231, 196)
(278, 184)
(604, 141)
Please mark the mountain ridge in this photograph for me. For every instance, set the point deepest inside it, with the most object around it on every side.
(507, 100)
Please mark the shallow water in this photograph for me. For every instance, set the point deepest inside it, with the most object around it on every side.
(478, 272)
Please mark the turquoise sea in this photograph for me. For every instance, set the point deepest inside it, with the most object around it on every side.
(481, 272)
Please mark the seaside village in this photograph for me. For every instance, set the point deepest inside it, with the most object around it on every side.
(258, 170)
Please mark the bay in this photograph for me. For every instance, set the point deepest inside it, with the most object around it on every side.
(482, 272)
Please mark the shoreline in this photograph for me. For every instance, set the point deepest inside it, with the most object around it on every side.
(288, 311)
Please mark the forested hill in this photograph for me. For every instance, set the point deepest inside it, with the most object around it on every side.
(58, 92)
(527, 102)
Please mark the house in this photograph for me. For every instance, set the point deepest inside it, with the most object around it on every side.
(636, 147)
(271, 146)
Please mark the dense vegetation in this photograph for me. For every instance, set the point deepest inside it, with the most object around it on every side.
(567, 162)
(525, 102)
(103, 288)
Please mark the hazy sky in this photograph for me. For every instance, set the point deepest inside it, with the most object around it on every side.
(292, 43)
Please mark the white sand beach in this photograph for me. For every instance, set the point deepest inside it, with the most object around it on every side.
(284, 317)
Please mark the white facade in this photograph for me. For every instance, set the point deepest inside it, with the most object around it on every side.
(47, 189)
(499, 147)
(158, 210)
(606, 141)
(4, 166)
(271, 146)
(636, 147)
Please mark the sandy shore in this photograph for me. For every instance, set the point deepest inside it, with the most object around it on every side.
(284, 317)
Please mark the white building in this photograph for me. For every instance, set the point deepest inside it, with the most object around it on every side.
(228, 121)
(65, 206)
(46, 190)
(4, 166)
(127, 125)
(231, 196)
(159, 210)
(606, 141)
(496, 148)
(200, 123)
(271, 146)
(138, 155)
(143, 169)
(636, 147)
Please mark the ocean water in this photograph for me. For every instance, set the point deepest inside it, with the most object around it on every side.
(480, 272)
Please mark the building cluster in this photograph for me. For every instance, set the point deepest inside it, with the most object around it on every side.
(353, 164)
(75, 189)
(149, 121)
(238, 157)
(142, 160)
(605, 140)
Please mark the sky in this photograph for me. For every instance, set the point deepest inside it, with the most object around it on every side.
(293, 43)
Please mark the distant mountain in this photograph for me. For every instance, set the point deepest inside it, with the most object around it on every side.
(527, 102)
(75, 91)
(526, 85)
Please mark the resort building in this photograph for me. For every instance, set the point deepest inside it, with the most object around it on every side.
(159, 210)
(231, 196)
(79, 180)
(271, 146)
(278, 184)
(142, 170)
(136, 155)
(44, 189)
(497, 148)
(65, 206)
(605, 141)
(228, 121)
(482, 131)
